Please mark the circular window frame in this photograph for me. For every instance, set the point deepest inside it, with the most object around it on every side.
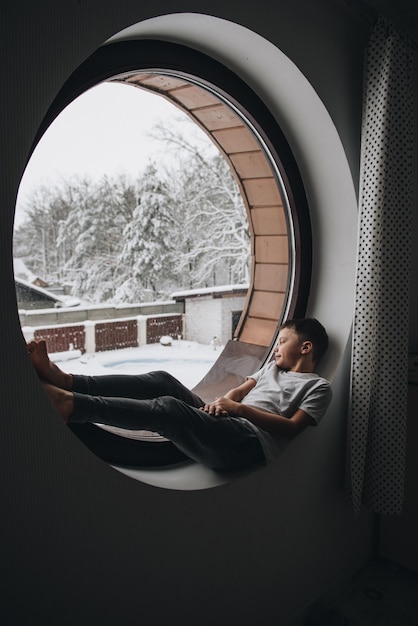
(152, 64)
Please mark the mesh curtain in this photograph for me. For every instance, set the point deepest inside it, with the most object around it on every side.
(379, 371)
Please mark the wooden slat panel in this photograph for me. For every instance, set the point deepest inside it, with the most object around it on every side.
(259, 332)
(251, 164)
(266, 304)
(272, 249)
(194, 97)
(218, 116)
(159, 81)
(235, 140)
(116, 335)
(262, 192)
(157, 327)
(136, 78)
(59, 339)
(271, 277)
(269, 220)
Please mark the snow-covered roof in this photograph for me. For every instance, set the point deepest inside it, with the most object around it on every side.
(220, 289)
(63, 301)
(22, 271)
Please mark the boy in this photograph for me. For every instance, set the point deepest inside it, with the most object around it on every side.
(249, 426)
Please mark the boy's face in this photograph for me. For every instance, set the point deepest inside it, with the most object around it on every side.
(290, 350)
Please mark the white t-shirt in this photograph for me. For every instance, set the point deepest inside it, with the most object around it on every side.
(283, 392)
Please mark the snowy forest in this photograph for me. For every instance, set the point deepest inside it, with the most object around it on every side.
(125, 240)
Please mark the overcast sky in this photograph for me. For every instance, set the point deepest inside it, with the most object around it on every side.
(104, 131)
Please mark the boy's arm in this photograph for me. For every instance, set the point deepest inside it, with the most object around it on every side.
(238, 393)
(235, 395)
(273, 423)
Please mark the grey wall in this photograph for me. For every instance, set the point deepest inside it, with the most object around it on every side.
(82, 543)
(413, 319)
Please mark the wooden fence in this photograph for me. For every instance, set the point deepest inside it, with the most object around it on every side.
(61, 339)
(157, 327)
(116, 335)
(108, 335)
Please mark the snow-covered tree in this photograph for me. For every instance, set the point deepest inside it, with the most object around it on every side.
(94, 232)
(35, 239)
(146, 259)
(217, 217)
(177, 226)
(215, 238)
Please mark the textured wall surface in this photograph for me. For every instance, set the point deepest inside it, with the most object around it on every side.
(81, 543)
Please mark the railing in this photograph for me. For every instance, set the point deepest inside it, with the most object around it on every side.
(116, 335)
(157, 327)
(61, 339)
(96, 328)
(99, 336)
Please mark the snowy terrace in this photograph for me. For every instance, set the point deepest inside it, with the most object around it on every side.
(128, 338)
(188, 361)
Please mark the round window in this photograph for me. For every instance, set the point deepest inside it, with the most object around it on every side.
(245, 132)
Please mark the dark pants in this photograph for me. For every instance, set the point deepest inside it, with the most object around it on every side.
(158, 402)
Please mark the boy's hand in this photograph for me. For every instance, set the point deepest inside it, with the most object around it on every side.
(221, 407)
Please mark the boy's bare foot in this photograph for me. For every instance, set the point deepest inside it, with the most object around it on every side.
(61, 399)
(47, 370)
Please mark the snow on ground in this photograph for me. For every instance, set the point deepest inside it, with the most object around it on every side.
(188, 361)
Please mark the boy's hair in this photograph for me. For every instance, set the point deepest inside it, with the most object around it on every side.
(309, 329)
